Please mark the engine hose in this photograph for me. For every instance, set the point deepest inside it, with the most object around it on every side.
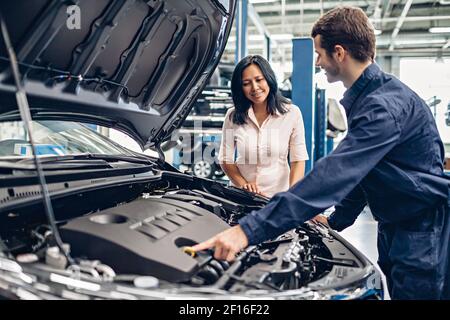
(224, 264)
(208, 274)
(217, 266)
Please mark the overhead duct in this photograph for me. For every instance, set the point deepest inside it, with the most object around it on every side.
(400, 23)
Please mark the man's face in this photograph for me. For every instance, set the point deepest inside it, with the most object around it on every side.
(329, 64)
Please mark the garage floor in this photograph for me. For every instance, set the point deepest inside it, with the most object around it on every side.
(363, 236)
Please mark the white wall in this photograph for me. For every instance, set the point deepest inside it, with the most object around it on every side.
(430, 78)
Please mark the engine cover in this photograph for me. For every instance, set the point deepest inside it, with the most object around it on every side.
(144, 237)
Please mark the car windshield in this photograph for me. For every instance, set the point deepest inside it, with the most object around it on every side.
(56, 138)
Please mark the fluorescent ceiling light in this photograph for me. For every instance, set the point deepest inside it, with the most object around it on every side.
(282, 36)
(276, 37)
(256, 37)
(377, 32)
(260, 37)
(262, 1)
(439, 30)
(419, 42)
(251, 37)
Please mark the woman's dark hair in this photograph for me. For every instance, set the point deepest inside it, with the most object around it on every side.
(275, 101)
(348, 27)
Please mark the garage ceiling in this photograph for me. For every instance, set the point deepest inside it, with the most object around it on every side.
(404, 25)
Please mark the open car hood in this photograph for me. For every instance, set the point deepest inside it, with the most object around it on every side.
(133, 65)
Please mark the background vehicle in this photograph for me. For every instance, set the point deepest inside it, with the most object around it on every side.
(198, 149)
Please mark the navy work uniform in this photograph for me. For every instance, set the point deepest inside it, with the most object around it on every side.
(392, 161)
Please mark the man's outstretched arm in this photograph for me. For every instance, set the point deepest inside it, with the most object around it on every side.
(373, 133)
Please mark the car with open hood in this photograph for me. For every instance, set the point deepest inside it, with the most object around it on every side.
(94, 220)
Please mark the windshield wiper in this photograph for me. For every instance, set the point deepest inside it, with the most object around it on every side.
(91, 157)
(75, 162)
(58, 165)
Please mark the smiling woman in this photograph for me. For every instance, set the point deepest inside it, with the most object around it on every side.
(264, 128)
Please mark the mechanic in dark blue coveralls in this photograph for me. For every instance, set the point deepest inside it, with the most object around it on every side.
(391, 160)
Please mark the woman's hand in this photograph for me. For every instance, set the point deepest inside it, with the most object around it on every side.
(251, 186)
(232, 171)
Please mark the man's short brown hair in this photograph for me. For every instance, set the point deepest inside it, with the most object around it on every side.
(348, 27)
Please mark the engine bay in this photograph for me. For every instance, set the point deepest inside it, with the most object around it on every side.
(147, 236)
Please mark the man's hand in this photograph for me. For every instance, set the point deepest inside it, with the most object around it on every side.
(226, 244)
(320, 218)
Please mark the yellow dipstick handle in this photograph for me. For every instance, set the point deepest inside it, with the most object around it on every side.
(189, 251)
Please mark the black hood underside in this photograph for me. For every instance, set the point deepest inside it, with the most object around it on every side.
(133, 65)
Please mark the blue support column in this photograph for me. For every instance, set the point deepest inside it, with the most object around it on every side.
(320, 145)
(241, 30)
(330, 145)
(303, 88)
